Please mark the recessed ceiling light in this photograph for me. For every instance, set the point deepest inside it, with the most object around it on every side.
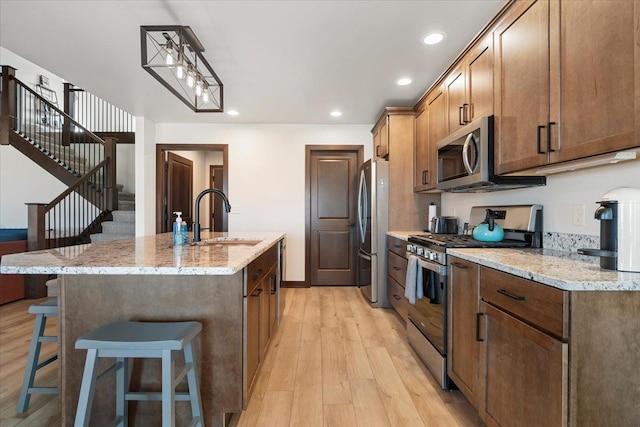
(433, 38)
(336, 113)
(232, 113)
(404, 81)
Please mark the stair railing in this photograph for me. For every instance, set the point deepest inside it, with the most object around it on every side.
(84, 155)
(69, 218)
(98, 115)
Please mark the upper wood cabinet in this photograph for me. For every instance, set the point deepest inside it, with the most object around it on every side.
(469, 87)
(560, 93)
(381, 138)
(430, 127)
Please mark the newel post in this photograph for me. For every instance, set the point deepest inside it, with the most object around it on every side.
(69, 107)
(35, 284)
(7, 103)
(111, 189)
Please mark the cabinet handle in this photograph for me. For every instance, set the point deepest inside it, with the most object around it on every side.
(549, 149)
(397, 246)
(377, 151)
(425, 179)
(461, 115)
(465, 113)
(396, 297)
(274, 287)
(539, 142)
(510, 295)
(456, 264)
(396, 268)
(257, 273)
(257, 293)
(478, 315)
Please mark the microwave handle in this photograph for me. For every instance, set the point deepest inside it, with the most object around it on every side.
(465, 153)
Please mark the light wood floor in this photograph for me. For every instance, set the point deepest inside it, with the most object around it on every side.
(333, 362)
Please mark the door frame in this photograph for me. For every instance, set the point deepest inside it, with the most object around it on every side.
(167, 191)
(309, 149)
(161, 178)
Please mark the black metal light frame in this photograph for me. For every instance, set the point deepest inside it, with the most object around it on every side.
(156, 42)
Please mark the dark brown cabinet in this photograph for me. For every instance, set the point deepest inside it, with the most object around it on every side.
(463, 298)
(560, 95)
(261, 310)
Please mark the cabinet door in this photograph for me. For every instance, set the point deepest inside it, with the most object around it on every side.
(273, 302)
(593, 67)
(253, 332)
(422, 153)
(526, 382)
(479, 79)
(457, 105)
(383, 151)
(522, 87)
(463, 345)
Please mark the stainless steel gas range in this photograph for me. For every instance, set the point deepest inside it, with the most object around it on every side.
(427, 319)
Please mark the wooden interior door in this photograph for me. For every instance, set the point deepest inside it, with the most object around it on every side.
(179, 194)
(216, 212)
(331, 233)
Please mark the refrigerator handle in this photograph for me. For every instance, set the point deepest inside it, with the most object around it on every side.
(361, 218)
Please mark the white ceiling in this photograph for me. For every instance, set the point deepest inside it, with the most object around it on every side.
(279, 61)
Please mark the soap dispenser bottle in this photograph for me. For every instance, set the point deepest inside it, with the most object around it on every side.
(178, 237)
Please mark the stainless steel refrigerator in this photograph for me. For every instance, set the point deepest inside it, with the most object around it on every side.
(373, 224)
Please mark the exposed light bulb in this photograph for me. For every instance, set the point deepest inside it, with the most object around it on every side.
(205, 97)
(191, 77)
(180, 71)
(169, 48)
(199, 86)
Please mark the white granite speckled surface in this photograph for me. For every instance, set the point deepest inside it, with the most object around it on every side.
(146, 255)
(403, 235)
(569, 242)
(563, 270)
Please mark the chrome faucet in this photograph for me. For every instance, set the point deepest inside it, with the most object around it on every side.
(196, 223)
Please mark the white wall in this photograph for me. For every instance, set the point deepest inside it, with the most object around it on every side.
(145, 174)
(267, 173)
(584, 187)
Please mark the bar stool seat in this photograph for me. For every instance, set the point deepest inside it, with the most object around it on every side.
(123, 340)
(42, 311)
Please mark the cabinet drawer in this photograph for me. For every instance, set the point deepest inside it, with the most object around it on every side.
(538, 304)
(396, 245)
(395, 293)
(397, 267)
(259, 268)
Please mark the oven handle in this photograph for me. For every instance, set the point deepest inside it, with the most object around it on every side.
(440, 269)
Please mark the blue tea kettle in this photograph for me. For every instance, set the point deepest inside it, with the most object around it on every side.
(488, 230)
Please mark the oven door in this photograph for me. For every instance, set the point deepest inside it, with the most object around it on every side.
(427, 322)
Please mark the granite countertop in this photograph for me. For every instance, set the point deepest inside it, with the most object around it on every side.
(146, 255)
(562, 270)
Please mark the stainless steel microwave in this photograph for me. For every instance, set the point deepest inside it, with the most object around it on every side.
(466, 161)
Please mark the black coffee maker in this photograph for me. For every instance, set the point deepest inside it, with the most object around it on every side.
(619, 216)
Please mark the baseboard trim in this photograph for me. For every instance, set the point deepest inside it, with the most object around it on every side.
(293, 284)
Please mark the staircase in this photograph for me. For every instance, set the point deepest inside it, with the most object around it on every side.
(122, 225)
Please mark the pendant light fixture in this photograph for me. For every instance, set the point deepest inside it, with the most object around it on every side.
(172, 54)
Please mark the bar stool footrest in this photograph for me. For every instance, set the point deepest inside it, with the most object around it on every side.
(43, 390)
(181, 396)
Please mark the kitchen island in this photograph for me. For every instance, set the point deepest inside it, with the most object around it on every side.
(147, 279)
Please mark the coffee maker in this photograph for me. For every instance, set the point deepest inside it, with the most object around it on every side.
(619, 216)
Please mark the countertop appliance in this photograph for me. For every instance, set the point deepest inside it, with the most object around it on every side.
(619, 216)
(444, 224)
(427, 319)
(466, 162)
(372, 227)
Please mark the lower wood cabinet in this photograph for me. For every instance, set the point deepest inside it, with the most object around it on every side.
(527, 354)
(463, 363)
(526, 373)
(396, 275)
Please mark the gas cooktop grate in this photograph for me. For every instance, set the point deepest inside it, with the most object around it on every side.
(462, 241)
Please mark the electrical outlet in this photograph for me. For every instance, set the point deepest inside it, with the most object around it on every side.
(578, 215)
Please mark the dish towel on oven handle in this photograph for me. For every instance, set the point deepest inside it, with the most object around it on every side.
(413, 286)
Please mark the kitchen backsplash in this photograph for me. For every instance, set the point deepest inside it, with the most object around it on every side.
(569, 242)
